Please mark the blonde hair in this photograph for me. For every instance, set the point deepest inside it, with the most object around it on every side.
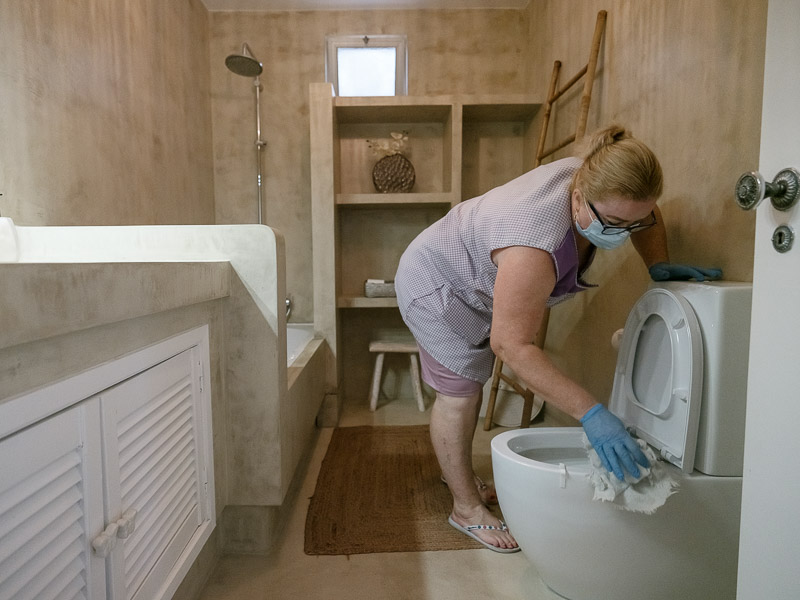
(616, 163)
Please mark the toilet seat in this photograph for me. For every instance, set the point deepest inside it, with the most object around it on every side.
(658, 379)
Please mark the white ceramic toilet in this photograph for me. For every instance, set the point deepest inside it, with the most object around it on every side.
(679, 384)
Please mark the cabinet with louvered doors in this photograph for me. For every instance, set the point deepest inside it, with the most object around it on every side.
(111, 496)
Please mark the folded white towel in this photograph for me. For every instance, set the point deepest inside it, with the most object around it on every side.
(644, 494)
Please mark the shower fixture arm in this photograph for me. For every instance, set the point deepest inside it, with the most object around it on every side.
(260, 144)
(257, 86)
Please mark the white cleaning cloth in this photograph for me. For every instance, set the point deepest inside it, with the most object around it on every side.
(643, 494)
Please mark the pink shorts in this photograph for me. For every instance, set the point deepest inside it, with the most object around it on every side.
(443, 380)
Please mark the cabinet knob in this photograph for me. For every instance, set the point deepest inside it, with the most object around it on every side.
(126, 523)
(104, 543)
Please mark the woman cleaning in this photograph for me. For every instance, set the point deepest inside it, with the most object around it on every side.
(476, 284)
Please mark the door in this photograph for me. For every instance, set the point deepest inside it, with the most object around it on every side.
(51, 508)
(152, 462)
(770, 523)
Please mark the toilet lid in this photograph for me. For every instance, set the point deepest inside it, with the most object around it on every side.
(659, 376)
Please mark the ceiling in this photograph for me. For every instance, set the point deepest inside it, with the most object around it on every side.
(233, 5)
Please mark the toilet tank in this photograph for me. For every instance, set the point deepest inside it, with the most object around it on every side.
(723, 311)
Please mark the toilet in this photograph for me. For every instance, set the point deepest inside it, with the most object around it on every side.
(680, 385)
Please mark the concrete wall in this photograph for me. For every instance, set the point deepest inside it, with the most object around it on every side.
(105, 116)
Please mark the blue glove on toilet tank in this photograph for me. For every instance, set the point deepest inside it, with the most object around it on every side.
(673, 272)
(615, 447)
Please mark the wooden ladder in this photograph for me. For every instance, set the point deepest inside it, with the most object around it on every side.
(553, 94)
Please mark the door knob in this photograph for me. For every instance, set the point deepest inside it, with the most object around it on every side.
(752, 188)
(104, 543)
(126, 523)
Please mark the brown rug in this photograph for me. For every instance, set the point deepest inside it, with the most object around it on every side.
(379, 490)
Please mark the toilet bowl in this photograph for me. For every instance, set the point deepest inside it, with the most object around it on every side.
(679, 384)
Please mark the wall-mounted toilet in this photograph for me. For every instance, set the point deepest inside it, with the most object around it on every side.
(679, 384)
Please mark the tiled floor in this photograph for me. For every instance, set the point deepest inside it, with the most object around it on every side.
(288, 573)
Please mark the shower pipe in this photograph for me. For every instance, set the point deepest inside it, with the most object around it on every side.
(247, 65)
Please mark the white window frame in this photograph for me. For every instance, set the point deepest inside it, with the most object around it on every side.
(398, 42)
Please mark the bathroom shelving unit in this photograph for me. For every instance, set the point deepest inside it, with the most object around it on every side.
(460, 146)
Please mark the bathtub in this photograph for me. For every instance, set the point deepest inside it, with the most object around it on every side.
(298, 335)
(304, 356)
(306, 360)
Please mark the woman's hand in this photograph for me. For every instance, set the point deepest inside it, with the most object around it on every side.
(651, 244)
(664, 271)
(615, 447)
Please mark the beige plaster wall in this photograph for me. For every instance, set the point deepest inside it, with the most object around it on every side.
(105, 115)
(450, 51)
(686, 78)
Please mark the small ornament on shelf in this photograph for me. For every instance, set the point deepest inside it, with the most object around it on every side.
(393, 172)
(379, 288)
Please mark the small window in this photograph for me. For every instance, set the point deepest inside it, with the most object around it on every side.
(367, 65)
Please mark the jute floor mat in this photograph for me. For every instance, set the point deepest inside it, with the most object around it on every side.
(379, 490)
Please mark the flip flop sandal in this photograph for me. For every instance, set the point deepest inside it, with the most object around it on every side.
(470, 528)
(481, 486)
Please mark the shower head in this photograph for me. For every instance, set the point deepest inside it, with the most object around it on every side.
(244, 64)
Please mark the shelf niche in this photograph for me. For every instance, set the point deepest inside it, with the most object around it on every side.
(429, 147)
(498, 144)
(371, 242)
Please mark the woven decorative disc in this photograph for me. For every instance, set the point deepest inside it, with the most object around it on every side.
(393, 173)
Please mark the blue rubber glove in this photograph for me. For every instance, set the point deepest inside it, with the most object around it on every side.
(673, 272)
(615, 447)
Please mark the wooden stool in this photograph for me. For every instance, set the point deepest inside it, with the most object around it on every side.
(404, 346)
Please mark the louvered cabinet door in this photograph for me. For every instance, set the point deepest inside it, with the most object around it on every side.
(153, 467)
(51, 508)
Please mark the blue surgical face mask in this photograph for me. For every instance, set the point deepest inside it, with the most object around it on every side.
(594, 233)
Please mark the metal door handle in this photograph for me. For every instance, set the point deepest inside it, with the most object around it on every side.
(752, 188)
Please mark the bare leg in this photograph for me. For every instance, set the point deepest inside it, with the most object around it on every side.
(453, 422)
(487, 492)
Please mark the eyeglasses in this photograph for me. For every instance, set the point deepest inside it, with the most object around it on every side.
(645, 223)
